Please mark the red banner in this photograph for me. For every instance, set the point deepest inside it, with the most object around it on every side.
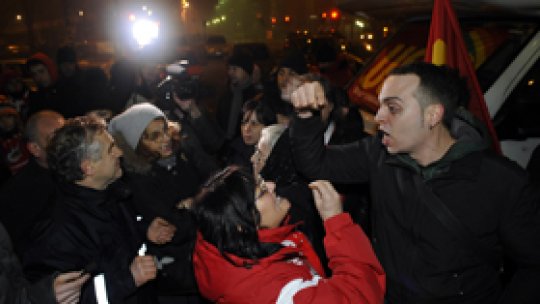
(446, 47)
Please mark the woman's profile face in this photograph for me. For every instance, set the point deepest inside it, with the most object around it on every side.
(251, 128)
(272, 208)
(156, 138)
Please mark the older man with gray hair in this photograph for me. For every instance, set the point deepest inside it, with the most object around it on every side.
(92, 226)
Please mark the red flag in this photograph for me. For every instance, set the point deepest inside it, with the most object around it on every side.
(446, 46)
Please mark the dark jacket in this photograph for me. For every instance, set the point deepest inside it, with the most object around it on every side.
(157, 188)
(355, 197)
(424, 262)
(14, 289)
(44, 99)
(238, 153)
(93, 230)
(279, 168)
(26, 200)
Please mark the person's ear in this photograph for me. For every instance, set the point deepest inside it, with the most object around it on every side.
(434, 115)
(87, 167)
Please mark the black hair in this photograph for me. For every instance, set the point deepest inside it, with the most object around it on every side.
(227, 217)
(438, 84)
(263, 112)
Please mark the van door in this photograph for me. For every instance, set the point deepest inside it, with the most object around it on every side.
(517, 122)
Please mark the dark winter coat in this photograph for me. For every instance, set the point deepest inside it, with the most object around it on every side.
(238, 153)
(93, 230)
(157, 189)
(14, 289)
(355, 197)
(424, 262)
(26, 200)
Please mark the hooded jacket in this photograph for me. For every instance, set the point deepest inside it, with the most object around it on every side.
(426, 263)
(358, 277)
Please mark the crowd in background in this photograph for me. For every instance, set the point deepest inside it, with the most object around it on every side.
(170, 141)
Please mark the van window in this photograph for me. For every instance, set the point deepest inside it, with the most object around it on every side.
(518, 117)
(491, 44)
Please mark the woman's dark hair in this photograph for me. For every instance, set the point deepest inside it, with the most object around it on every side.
(228, 218)
(263, 112)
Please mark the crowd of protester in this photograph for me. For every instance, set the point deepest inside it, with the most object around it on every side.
(124, 184)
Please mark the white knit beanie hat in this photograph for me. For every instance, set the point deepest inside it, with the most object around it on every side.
(133, 121)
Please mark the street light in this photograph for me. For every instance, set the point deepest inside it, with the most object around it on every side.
(334, 14)
(145, 32)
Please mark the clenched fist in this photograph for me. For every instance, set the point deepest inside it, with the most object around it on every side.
(309, 96)
(143, 269)
(160, 231)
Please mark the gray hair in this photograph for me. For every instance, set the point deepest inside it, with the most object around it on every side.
(71, 145)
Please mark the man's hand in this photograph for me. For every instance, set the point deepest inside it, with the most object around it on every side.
(143, 269)
(160, 231)
(174, 128)
(185, 203)
(188, 106)
(308, 97)
(327, 200)
(67, 286)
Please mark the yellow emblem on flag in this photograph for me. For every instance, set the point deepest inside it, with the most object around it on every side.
(438, 55)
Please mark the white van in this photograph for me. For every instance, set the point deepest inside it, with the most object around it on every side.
(506, 55)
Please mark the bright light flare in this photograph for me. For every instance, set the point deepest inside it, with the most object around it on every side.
(145, 31)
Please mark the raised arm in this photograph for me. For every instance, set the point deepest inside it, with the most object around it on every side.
(342, 163)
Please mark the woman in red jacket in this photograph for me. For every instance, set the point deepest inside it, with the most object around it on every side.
(246, 254)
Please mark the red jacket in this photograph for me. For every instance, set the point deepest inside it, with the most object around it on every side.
(357, 275)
